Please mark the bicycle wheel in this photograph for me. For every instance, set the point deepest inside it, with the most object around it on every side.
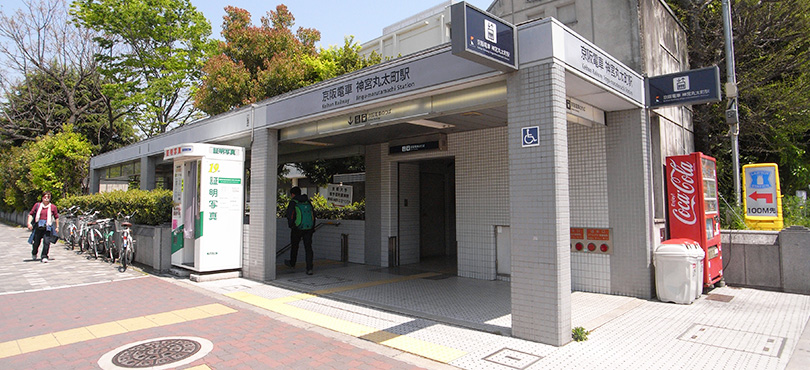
(95, 239)
(72, 238)
(112, 250)
(125, 254)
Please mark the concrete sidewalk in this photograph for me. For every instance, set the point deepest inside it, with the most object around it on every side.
(461, 322)
(73, 312)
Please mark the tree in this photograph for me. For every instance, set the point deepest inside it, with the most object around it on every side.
(38, 106)
(255, 62)
(772, 56)
(52, 79)
(57, 163)
(321, 171)
(259, 62)
(150, 53)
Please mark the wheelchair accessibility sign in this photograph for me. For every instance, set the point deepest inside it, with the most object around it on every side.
(530, 136)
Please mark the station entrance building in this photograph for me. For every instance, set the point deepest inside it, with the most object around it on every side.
(499, 170)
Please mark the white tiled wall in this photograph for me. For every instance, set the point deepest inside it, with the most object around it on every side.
(482, 198)
(590, 272)
(482, 186)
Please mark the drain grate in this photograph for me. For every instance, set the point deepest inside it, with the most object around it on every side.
(720, 297)
(744, 341)
(511, 358)
(156, 354)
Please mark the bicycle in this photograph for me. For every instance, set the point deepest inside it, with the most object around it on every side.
(126, 252)
(83, 242)
(69, 229)
(100, 237)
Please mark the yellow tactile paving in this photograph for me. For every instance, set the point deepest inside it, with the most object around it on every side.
(136, 323)
(436, 352)
(73, 336)
(166, 318)
(106, 329)
(422, 348)
(37, 343)
(193, 313)
(8, 349)
(61, 338)
(374, 283)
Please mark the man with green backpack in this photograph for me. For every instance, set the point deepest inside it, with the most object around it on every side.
(301, 220)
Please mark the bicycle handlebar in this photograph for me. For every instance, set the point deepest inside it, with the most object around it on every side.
(127, 217)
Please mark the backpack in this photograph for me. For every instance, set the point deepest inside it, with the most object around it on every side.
(304, 215)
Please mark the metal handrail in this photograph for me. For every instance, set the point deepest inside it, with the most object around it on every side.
(318, 226)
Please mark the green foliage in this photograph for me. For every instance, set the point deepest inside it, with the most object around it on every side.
(56, 163)
(154, 207)
(321, 171)
(259, 62)
(323, 210)
(335, 61)
(732, 216)
(151, 55)
(795, 211)
(772, 55)
(579, 334)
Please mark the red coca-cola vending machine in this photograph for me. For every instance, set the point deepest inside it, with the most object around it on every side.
(693, 208)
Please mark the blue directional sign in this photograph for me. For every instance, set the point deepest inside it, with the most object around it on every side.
(682, 88)
(530, 136)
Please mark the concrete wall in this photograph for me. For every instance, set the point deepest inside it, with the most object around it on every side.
(153, 246)
(326, 240)
(776, 260)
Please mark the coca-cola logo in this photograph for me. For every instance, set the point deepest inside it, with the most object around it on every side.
(682, 201)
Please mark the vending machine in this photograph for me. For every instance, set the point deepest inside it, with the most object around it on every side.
(693, 208)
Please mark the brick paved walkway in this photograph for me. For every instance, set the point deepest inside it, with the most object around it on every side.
(67, 314)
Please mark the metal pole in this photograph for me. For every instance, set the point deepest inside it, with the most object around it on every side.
(732, 115)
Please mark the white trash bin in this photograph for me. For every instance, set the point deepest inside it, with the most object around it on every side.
(678, 271)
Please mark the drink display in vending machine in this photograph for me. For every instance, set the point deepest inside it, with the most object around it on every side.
(693, 208)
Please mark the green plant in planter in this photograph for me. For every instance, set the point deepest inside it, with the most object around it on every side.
(579, 334)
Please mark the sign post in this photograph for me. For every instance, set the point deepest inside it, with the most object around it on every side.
(763, 199)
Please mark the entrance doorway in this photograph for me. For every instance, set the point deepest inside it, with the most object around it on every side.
(427, 229)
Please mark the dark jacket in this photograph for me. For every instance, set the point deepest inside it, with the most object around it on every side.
(290, 214)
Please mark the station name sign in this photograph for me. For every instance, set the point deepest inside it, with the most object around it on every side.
(682, 88)
(439, 144)
(483, 38)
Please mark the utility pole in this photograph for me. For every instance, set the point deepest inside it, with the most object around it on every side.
(732, 113)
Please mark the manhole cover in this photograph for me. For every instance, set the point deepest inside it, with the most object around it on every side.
(511, 358)
(738, 340)
(160, 353)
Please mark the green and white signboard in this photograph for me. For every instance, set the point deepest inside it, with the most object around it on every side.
(208, 206)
